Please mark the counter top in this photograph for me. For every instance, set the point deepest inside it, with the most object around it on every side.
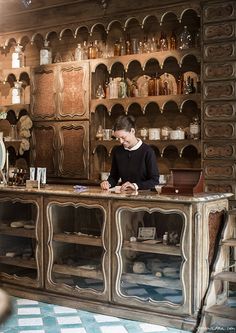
(97, 192)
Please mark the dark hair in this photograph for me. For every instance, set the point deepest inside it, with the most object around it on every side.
(124, 123)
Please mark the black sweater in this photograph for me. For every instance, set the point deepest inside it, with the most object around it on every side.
(136, 166)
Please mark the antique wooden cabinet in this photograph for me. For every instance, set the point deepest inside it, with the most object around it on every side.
(135, 256)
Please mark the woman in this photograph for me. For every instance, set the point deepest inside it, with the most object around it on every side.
(133, 162)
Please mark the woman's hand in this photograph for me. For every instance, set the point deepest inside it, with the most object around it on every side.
(105, 185)
(127, 186)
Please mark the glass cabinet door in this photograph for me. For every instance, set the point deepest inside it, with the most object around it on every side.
(149, 257)
(77, 253)
(20, 248)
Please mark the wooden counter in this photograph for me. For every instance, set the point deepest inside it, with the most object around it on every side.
(81, 248)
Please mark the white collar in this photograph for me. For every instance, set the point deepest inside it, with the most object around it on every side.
(136, 146)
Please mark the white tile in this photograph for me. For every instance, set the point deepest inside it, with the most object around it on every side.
(28, 311)
(73, 330)
(63, 309)
(68, 320)
(32, 331)
(153, 328)
(30, 322)
(113, 329)
(22, 301)
(104, 319)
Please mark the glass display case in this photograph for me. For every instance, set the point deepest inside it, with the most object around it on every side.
(77, 251)
(150, 255)
(20, 234)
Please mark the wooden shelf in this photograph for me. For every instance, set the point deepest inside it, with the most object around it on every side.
(160, 144)
(152, 248)
(143, 101)
(18, 262)
(77, 239)
(19, 232)
(160, 56)
(151, 280)
(77, 271)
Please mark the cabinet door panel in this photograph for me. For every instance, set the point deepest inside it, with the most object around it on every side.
(21, 248)
(44, 93)
(43, 152)
(77, 248)
(73, 149)
(151, 271)
(74, 91)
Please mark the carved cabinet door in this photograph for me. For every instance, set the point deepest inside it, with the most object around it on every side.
(73, 149)
(61, 147)
(73, 91)
(44, 147)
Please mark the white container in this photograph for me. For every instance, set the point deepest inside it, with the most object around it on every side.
(17, 92)
(177, 134)
(45, 54)
(107, 133)
(18, 57)
(154, 133)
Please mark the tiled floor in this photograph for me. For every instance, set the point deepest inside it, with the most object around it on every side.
(36, 317)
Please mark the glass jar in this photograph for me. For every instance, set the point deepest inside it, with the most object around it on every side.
(17, 92)
(45, 54)
(99, 134)
(165, 132)
(194, 129)
(18, 57)
(144, 133)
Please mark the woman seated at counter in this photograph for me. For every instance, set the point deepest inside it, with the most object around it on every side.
(134, 162)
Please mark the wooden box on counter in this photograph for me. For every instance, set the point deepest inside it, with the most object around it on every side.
(184, 181)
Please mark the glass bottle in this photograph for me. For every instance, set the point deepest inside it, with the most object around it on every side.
(122, 47)
(128, 45)
(99, 134)
(96, 49)
(165, 238)
(151, 87)
(163, 42)
(18, 57)
(91, 51)
(122, 88)
(85, 50)
(17, 92)
(79, 52)
(194, 129)
(185, 39)
(100, 93)
(45, 54)
(117, 48)
(173, 41)
(107, 89)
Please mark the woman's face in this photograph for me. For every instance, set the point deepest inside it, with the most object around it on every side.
(127, 139)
